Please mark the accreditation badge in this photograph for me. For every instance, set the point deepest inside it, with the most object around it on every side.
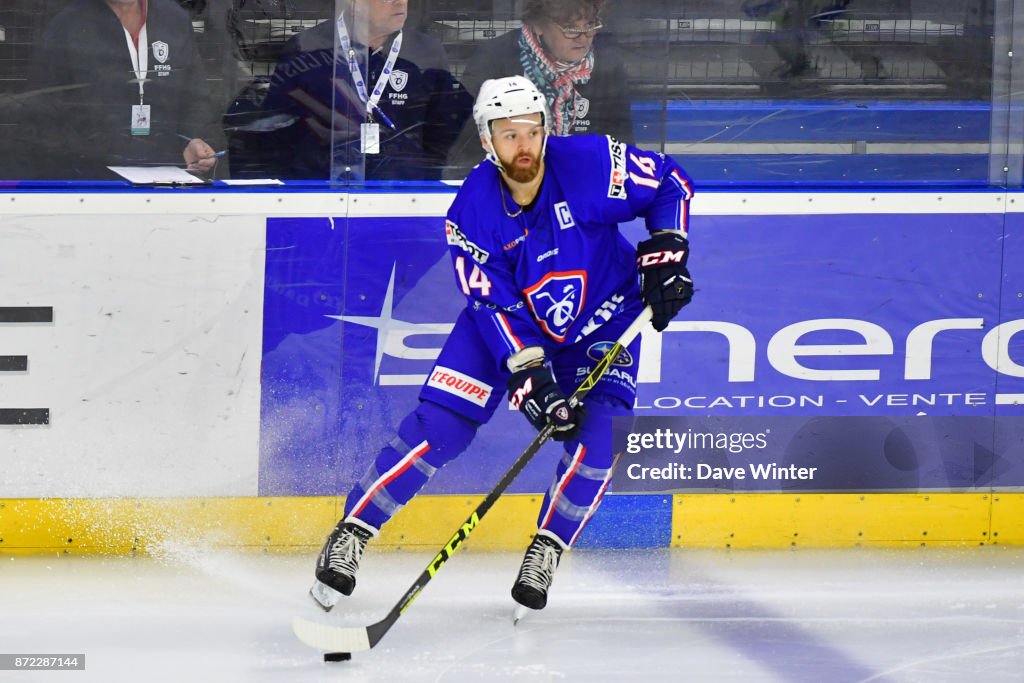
(140, 119)
(369, 138)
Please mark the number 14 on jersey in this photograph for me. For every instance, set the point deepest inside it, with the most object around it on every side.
(477, 279)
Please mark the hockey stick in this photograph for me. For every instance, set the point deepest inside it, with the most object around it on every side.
(345, 640)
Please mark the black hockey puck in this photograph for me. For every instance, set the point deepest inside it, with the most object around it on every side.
(337, 656)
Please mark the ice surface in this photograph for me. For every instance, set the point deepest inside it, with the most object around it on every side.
(196, 615)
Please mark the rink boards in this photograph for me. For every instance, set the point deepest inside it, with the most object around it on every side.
(726, 520)
(233, 360)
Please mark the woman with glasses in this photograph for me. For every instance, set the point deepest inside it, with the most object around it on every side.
(560, 49)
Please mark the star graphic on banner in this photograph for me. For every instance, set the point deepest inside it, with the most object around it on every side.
(391, 332)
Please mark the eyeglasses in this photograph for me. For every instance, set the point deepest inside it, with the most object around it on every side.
(571, 32)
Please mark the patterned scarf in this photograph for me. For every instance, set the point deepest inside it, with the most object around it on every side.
(555, 79)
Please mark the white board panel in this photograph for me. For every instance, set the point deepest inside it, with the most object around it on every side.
(150, 368)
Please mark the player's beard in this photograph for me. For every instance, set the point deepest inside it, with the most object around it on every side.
(522, 174)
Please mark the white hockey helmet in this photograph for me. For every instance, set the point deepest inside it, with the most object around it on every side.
(504, 98)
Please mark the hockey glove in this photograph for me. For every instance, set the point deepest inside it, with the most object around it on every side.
(664, 280)
(535, 393)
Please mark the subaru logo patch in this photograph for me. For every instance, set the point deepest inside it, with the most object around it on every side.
(600, 349)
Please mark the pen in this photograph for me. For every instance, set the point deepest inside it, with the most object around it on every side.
(384, 117)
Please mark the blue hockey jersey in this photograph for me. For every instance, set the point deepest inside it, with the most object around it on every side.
(558, 270)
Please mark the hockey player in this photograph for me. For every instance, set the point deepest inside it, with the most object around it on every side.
(550, 283)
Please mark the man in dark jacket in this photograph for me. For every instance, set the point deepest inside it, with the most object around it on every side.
(117, 83)
(358, 98)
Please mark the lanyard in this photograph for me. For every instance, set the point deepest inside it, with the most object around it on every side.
(140, 58)
(357, 78)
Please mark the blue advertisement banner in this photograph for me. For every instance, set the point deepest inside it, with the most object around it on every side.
(805, 317)
(839, 315)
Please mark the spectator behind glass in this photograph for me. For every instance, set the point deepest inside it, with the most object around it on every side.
(96, 102)
(317, 120)
(584, 80)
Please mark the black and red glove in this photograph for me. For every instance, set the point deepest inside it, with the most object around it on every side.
(665, 282)
(534, 392)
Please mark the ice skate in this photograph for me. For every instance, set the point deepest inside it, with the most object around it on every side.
(537, 572)
(338, 563)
